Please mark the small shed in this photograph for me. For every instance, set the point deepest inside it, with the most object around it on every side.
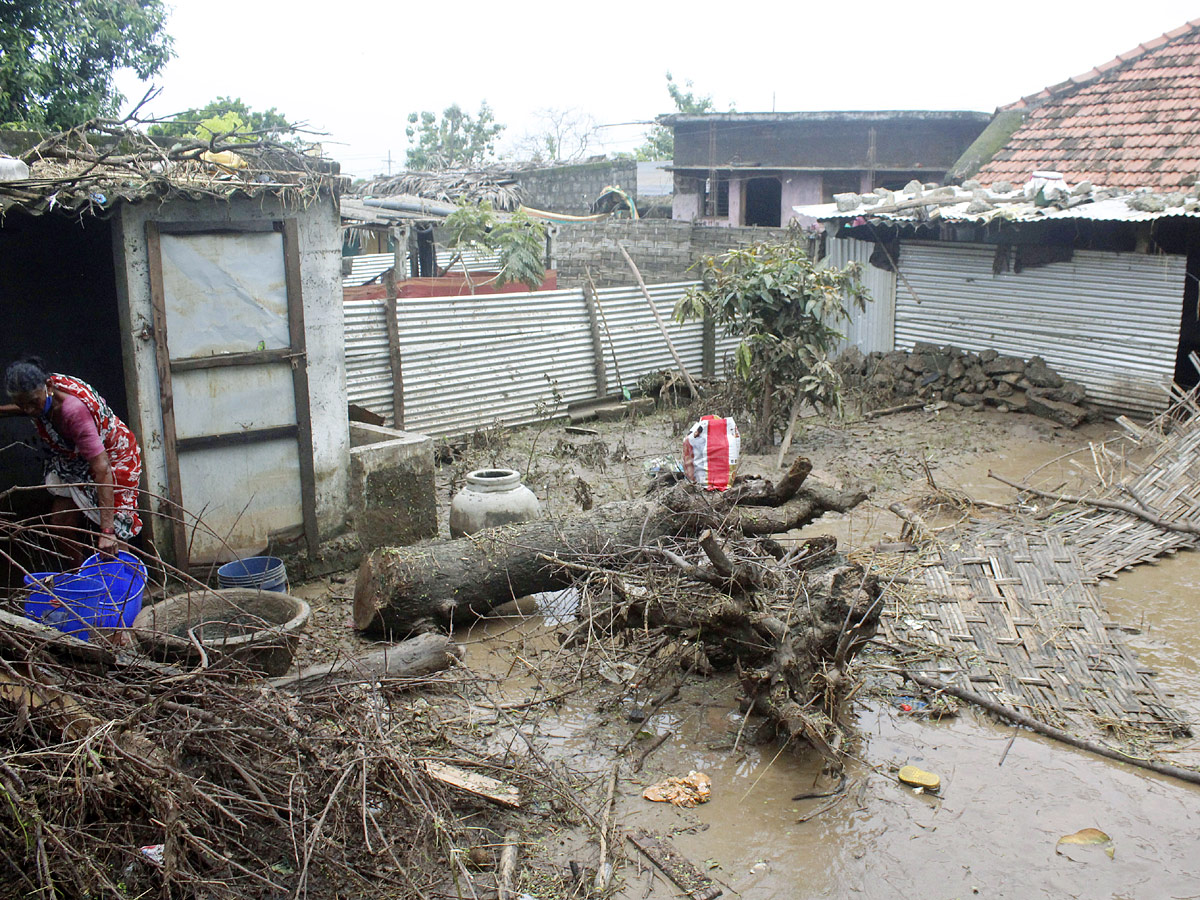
(1101, 283)
(200, 293)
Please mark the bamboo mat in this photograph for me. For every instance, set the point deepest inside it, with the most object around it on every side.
(1012, 607)
(1018, 619)
(1156, 468)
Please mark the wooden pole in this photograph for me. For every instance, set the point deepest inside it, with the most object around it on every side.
(604, 321)
(601, 370)
(662, 326)
(1189, 775)
(300, 386)
(399, 250)
(395, 361)
(604, 869)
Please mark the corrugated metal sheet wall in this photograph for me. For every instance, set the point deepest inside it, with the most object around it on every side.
(870, 329)
(1107, 320)
(368, 372)
(638, 343)
(471, 362)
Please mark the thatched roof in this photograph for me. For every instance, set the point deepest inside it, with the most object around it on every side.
(94, 167)
(496, 186)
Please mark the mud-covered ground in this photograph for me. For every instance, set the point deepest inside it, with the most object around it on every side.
(1007, 795)
(569, 471)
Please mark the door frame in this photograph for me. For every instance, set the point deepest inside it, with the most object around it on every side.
(295, 354)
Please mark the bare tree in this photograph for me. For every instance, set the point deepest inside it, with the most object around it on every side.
(560, 135)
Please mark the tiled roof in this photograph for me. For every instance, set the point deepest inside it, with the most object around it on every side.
(1131, 122)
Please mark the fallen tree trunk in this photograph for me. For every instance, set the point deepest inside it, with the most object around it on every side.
(422, 655)
(401, 590)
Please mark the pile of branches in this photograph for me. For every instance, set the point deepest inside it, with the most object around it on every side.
(788, 622)
(122, 776)
(134, 783)
(700, 568)
(103, 157)
(489, 185)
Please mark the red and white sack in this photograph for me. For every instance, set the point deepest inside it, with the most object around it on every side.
(710, 453)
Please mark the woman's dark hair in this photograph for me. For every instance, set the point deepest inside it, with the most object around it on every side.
(25, 375)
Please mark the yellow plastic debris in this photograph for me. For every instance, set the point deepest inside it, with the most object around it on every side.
(689, 791)
(226, 159)
(919, 778)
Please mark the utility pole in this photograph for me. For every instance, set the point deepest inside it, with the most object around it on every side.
(389, 162)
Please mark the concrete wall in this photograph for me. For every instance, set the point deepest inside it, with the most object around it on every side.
(573, 188)
(664, 249)
(320, 271)
(800, 189)
(833, 140)
(688, 203)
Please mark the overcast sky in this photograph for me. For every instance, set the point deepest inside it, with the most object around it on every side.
(354, 68)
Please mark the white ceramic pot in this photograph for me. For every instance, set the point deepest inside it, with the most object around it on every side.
(491, 497)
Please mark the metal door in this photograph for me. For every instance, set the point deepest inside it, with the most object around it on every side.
(229, 332)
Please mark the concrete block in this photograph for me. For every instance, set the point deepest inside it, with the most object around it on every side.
(392, 493)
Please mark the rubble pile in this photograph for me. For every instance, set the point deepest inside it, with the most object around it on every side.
(1043, 196)
(934, 373)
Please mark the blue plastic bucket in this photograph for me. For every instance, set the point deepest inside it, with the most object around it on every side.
(124, 579)
(104, 593)
(267, 573)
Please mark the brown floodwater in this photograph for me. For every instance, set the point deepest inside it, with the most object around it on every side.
(1007, 796)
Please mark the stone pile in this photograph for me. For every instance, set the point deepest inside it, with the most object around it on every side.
(934, 373)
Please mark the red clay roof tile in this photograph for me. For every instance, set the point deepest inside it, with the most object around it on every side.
(1133, 121)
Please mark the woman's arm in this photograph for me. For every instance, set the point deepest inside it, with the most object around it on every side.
(102, 475)
(10, 409)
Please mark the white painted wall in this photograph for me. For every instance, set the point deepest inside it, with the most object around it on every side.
(320, 272)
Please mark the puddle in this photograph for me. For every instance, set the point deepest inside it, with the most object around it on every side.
(990, 831)
(1162, 599)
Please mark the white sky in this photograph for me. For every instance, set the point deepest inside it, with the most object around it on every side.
(356, 68)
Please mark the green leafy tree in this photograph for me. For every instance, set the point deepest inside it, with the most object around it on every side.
(660, 140)
(59, 58)
(519, 240)
(786, 310)
(455, 140)
(228, 116)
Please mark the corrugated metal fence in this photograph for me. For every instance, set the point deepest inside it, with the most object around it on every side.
(1107, 320)
(870, 329)
(473, 362)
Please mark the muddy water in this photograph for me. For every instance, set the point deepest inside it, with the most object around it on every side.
(1007, 796)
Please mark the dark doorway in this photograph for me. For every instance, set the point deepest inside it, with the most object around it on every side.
(59, 296)
(1189, 324)
(764, 202)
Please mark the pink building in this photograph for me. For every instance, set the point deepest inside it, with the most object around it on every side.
(752, 168)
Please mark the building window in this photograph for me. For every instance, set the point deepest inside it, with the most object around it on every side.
(839, 183)
(716, 206)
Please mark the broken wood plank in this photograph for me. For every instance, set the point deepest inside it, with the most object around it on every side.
(476, 783)
(675, 865)
(506, 880)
